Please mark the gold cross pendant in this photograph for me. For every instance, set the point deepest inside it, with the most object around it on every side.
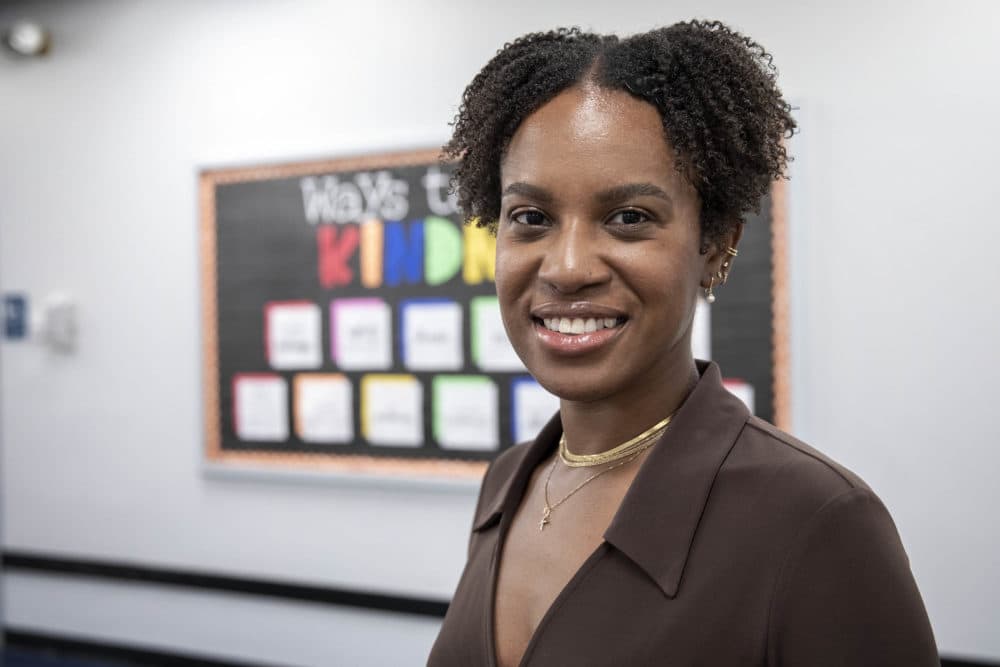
(545, 518)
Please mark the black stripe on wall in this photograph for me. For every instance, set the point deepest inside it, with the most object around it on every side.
(948, 662)
(214, 582)
(75, 649)
(78, 649)
(225, 583)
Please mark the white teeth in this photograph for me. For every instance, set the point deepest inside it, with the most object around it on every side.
(579, 325)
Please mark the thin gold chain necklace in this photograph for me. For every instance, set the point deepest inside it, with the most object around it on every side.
(622, 451)
(547, 510)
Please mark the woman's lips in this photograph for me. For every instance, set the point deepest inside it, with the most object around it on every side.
(577, 343)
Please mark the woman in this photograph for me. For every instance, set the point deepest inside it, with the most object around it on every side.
(653, 521)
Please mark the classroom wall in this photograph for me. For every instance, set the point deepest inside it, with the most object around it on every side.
(893, 311)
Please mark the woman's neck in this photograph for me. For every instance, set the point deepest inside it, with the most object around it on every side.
(596, 426)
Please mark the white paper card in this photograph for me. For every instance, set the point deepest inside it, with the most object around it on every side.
(491, 348)
(294, 335)
(466, 413)
(532, 408)
(701, 331)
(260, 407)
(323, 408)
(742, 390)
(432, 335)
(362, 334)
(392, 410)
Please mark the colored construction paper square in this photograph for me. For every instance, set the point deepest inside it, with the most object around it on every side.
(293, 335)
(361, 334)
(260, 407)
(466, 414)
(491, 349)
(430, 334)
(531, 408)
(392, 410)
(741, 389)
(324, 408)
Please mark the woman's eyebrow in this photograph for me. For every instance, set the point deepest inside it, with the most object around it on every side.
(627, 191)
(608, 196)
(527, 190)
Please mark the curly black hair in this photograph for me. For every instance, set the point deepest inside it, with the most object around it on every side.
(714, 88)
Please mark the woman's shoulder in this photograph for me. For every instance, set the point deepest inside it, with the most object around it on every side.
(841, 559)
(788, 466)
(774, 447)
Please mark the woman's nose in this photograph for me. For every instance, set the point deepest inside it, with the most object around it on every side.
(574, 260)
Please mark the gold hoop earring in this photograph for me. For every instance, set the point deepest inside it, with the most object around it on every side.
(723, 273)
(708, 291)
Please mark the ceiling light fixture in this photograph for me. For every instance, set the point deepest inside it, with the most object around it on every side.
(27, 38)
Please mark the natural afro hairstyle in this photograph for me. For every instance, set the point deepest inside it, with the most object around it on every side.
(715, 90)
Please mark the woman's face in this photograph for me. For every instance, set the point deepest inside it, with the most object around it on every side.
(598, 263)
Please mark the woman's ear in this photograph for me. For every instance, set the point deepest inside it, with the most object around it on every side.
(721, 256)
(729, 252)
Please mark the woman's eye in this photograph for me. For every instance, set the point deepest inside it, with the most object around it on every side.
(629, 217)
(531, 218)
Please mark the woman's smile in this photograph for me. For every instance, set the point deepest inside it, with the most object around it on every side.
(576, 327)
(582, 332)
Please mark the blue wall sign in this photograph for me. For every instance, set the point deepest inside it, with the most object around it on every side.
(15, 316)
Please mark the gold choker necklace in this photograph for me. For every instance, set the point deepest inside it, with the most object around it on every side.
(622, 451)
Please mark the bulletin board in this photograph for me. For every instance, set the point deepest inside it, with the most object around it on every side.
(351, 322)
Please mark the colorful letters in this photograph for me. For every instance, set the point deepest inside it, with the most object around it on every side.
(428, 251)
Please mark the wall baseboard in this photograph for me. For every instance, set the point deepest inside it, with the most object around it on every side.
(118, 571)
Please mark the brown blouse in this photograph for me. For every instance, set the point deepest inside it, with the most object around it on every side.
(736, 544)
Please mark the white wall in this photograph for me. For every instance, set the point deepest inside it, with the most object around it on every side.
(894, 310)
